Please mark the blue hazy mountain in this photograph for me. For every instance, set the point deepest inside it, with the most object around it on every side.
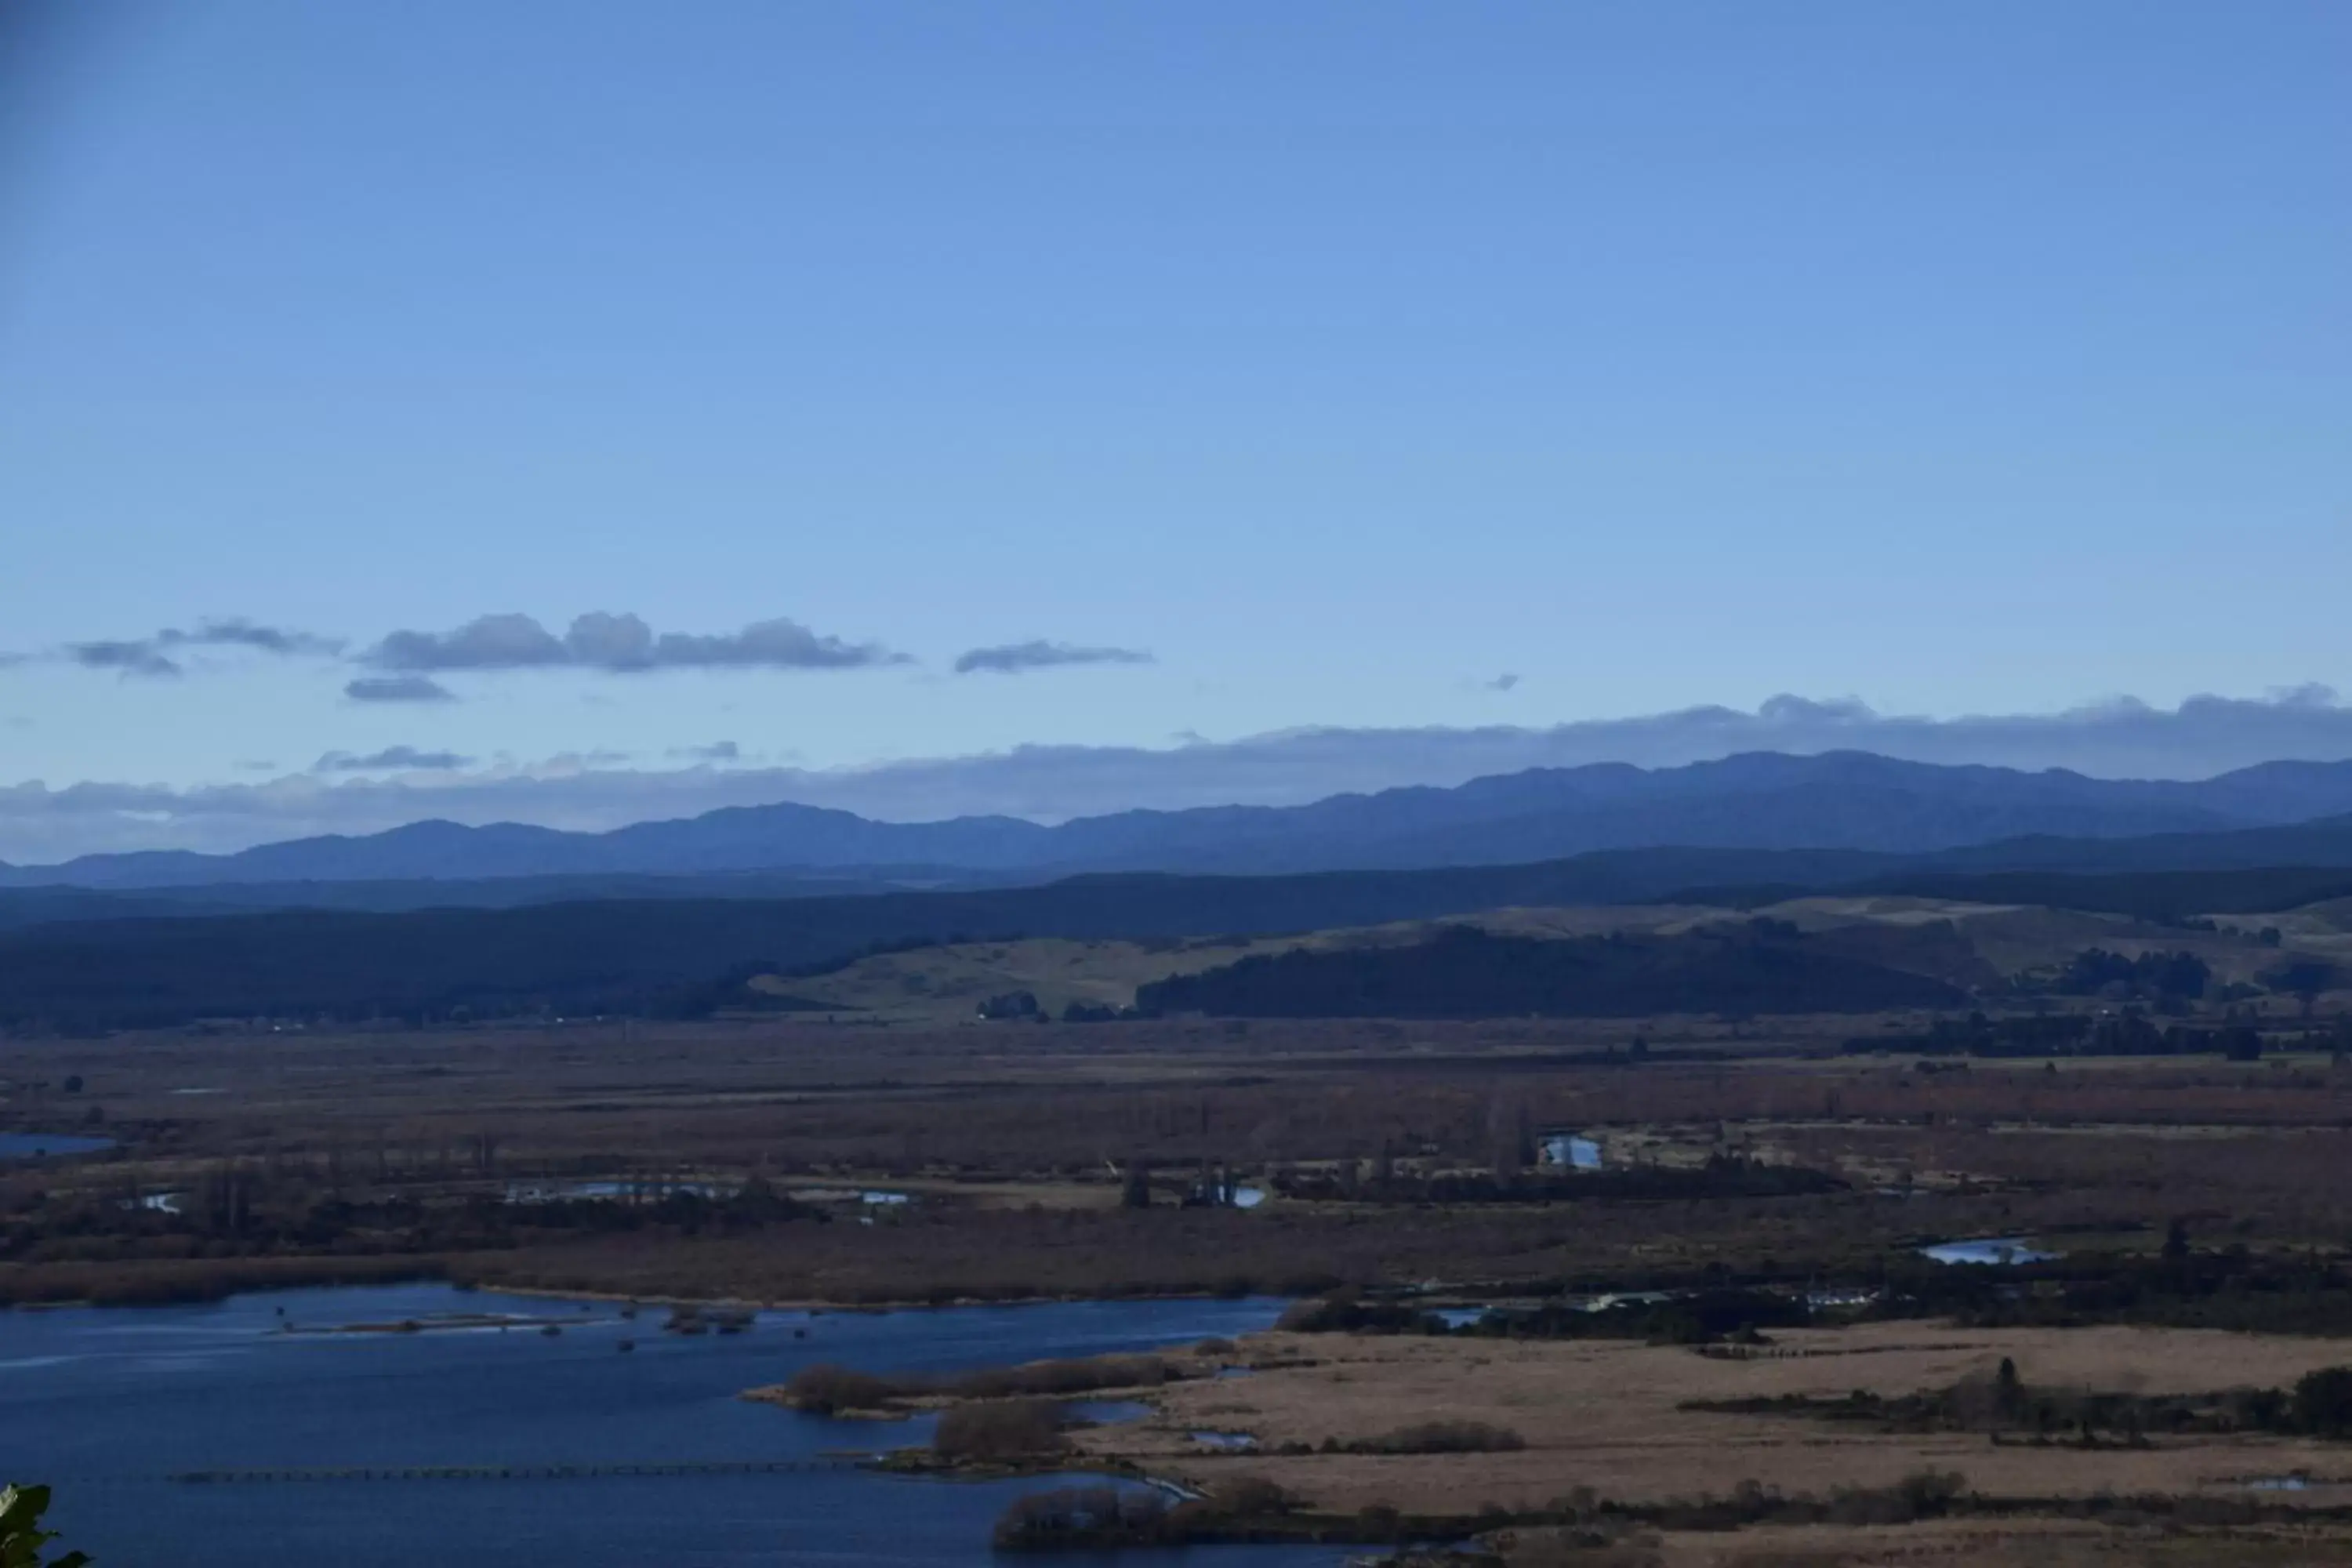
(1852, 801)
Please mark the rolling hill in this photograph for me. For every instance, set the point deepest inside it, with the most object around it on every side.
(1849, 801)
(686, 955)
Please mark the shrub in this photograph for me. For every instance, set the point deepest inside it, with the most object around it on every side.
(2322, 1401)
(998, 1430)
(21, 1535)
(1063, 1377)
(826, 1388)
(1345, 1312)
(1443, 1438)
(1251, 1495)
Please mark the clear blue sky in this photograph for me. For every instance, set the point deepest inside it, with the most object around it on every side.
(1344, 357)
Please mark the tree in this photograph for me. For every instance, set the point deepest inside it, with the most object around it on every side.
(21, 1535)
(2322, 1401)
(2303, 980)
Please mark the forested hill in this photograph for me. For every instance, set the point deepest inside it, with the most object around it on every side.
(632, 955)
(1760, 966)
(1847, 800)
(637, 955)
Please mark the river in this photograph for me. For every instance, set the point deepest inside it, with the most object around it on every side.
(111, 1405)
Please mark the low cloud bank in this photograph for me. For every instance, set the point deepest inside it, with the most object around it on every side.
(2122, 738)
(1014, 658)
(619, 645)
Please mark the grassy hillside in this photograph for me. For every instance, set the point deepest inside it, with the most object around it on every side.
(673, 956)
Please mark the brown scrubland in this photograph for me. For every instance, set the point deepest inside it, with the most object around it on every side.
(1767, 1160)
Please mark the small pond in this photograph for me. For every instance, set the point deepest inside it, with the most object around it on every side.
(1225, 1442)
(1995, 1251)
(1571, 1151)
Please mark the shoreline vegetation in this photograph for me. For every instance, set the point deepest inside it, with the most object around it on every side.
(1162, 1486)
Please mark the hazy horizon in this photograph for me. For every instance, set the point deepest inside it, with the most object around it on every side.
(581, 412)
(2200, 739)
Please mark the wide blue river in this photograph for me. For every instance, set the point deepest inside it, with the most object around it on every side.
(116, 1407)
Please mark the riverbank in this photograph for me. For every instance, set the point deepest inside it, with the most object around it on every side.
(521, 1447)
(2004, 1444)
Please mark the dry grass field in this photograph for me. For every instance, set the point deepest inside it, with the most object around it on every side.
(1608, 1415)
(1013, 1139)
(383, 1153)
(1982, 944)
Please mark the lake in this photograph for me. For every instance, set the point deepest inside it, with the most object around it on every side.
(109, 1404)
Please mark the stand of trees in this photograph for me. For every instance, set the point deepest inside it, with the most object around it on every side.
(2127, 1034)
(1760, 967)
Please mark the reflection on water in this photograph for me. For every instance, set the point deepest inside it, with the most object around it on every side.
(641, 1190)
(2006, 1250)
(1225, 1442)
(1570, 1152)
(569, 1452)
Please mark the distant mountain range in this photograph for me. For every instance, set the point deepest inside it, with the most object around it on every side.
(1838, 801)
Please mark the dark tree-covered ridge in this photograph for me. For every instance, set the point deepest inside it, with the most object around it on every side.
(1466, 972)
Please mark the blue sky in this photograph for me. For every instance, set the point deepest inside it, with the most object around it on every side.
(1342, 358)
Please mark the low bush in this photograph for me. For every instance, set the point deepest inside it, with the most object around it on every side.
(825, 1389)
(1062, 1377)
(999, 1431)
(1442, 1437)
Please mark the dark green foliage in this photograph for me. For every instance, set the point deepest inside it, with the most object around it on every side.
(21, 1535)
(1468, 973)
(2096, 972)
